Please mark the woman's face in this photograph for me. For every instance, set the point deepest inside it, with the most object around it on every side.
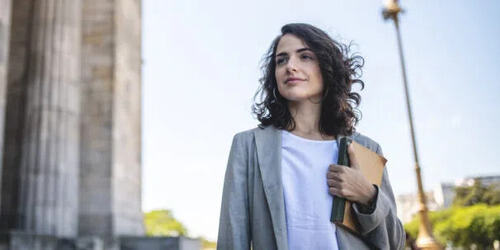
(297, 73)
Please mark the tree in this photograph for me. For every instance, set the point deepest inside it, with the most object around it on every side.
(477, 193)
(463, 226)
(163, 223)
(473, 219)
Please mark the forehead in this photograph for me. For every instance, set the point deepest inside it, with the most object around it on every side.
(290, 43)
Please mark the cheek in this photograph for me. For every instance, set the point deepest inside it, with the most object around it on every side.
(278, 74)
(316, 75)
(317, 79)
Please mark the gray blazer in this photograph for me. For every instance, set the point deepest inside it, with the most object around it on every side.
(253, 212)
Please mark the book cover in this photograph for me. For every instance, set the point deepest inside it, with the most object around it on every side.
(371, 165)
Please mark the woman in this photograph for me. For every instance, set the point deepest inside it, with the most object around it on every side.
(281, 177)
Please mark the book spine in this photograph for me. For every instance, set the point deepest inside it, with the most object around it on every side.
(338, 205)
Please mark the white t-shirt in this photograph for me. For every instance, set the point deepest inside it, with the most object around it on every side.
(308, 205)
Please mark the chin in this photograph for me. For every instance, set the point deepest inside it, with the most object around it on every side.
(299, 94)
(300, 97)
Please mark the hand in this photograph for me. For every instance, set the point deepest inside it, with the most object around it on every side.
(349, 182)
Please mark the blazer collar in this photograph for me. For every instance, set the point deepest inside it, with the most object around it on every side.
(268, 143)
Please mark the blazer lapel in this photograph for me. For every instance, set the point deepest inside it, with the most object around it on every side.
(268, 143)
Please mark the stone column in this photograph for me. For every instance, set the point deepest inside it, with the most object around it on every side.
(4, 52)
(110, 174)
(40, 179)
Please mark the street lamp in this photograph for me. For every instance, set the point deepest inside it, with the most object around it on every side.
(425, 239)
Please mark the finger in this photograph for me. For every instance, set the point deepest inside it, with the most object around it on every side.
(334, 183)
(334, 176)
(352, 157)
(335, 191)
(336, 168)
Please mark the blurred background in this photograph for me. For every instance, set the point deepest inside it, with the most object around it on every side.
(201, 70)
(118, 115)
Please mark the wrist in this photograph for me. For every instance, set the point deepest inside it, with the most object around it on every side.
(370, 205)
(371, 193)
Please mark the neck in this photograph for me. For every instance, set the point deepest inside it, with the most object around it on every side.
(306, 117)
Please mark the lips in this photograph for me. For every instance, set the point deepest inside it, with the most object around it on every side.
(293, 79)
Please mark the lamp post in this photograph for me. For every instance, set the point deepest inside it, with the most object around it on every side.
(425, 239)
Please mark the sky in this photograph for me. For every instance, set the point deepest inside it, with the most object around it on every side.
(201, 65)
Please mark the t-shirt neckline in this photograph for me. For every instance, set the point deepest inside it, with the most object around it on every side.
(305, 139)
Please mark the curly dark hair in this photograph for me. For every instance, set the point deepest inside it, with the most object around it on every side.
(340, 70)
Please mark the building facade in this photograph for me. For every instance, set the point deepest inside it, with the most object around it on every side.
(70, 116)
(440, 197)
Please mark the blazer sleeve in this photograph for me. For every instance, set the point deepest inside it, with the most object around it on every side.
(381, 226)
(234, 225)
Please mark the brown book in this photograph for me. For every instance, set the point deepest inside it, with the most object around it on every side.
(372, 166)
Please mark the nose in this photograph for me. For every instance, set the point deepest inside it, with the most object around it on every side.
(291, 64)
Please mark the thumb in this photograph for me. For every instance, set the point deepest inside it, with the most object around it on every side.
(352, 157)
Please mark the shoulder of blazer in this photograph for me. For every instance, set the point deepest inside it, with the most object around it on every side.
(366, 141)
(261, 134)
(263, 139)
(269, 134)
(245, 138)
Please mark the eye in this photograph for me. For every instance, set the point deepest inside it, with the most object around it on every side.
(306, 57)
(280, 60)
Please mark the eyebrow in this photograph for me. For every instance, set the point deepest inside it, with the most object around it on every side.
(298, 51)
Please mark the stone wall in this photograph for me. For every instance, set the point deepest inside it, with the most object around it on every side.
(110, 177)
(40, 172)
(4, 57)
(96, 175)
(70, 87)
(127, 119)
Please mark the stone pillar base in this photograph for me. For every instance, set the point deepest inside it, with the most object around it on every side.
(25, 241)
(159, 243)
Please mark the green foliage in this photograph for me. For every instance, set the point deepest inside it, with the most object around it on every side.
(163, 223)
(206, 244)
(411, 227)
(492, 195)
(477, 193)
(462, 226)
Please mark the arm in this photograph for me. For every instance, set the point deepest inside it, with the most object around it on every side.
(374, 206)
(381, 225)
(234, 226)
